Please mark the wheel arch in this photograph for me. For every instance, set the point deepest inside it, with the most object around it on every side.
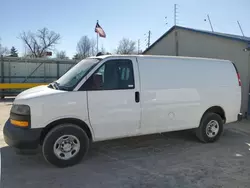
(83, 125)
(217, 110)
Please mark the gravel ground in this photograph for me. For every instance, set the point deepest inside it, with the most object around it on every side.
(168, 160)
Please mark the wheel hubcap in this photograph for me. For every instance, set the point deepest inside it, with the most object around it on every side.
(66, 147)
(212, 128)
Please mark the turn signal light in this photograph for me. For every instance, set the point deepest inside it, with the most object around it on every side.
(19, 123)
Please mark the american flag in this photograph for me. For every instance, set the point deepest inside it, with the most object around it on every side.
(99, 30)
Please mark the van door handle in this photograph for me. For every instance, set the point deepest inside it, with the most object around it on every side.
(137, 96)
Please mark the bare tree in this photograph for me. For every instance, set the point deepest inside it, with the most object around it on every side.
(3, 50)
(84, 47)
(40, 42)
(93, 47)
(103, 50)
(61, 55)
(126, 46)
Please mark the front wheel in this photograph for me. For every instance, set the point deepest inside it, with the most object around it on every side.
(211, 128)
(65, 145)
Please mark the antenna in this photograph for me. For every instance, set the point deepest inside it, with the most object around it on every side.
(240, 28)
(210, 23)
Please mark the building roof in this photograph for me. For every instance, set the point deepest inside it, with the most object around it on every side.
(217, 34)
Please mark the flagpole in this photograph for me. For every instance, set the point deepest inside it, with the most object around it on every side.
(97, 38)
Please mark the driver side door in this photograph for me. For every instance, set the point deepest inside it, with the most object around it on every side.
(113, 102)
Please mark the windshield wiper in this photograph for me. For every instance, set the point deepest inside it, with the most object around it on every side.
(54, 85)
(60, 87)
(51, 85)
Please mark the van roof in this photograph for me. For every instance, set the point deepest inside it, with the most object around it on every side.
(160, 57)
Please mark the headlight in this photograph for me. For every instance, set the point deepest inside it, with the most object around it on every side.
(20, 109)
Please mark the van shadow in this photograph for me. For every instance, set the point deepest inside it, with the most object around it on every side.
(33, 171)
(11, 159)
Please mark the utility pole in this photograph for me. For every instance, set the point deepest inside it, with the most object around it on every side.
(176, 31)
(149, 37)
(138, 46)
(210, 23)
(240, 28)
(175, 13)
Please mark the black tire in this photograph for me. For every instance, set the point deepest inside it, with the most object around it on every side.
(201, 131)
(57, 132)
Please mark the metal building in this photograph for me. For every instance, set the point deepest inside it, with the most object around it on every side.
(182, 41)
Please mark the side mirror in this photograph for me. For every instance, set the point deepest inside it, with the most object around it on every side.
(97, 79)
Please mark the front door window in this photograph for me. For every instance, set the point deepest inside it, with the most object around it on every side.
(112, 75)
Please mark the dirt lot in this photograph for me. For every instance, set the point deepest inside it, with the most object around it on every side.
(168, 160)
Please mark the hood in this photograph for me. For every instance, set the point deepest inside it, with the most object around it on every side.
(38, 91)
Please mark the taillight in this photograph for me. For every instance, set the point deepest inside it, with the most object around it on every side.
(238, 75)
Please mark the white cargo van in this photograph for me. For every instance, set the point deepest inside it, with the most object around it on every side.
(110, 97)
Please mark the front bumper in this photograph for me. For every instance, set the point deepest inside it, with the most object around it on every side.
(21, 138)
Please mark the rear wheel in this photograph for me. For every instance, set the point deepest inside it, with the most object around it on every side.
(65, 145)
(211, 128)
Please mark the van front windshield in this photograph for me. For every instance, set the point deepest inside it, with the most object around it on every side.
(71, 78)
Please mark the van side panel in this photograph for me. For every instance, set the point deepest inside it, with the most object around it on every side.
(175, 92)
